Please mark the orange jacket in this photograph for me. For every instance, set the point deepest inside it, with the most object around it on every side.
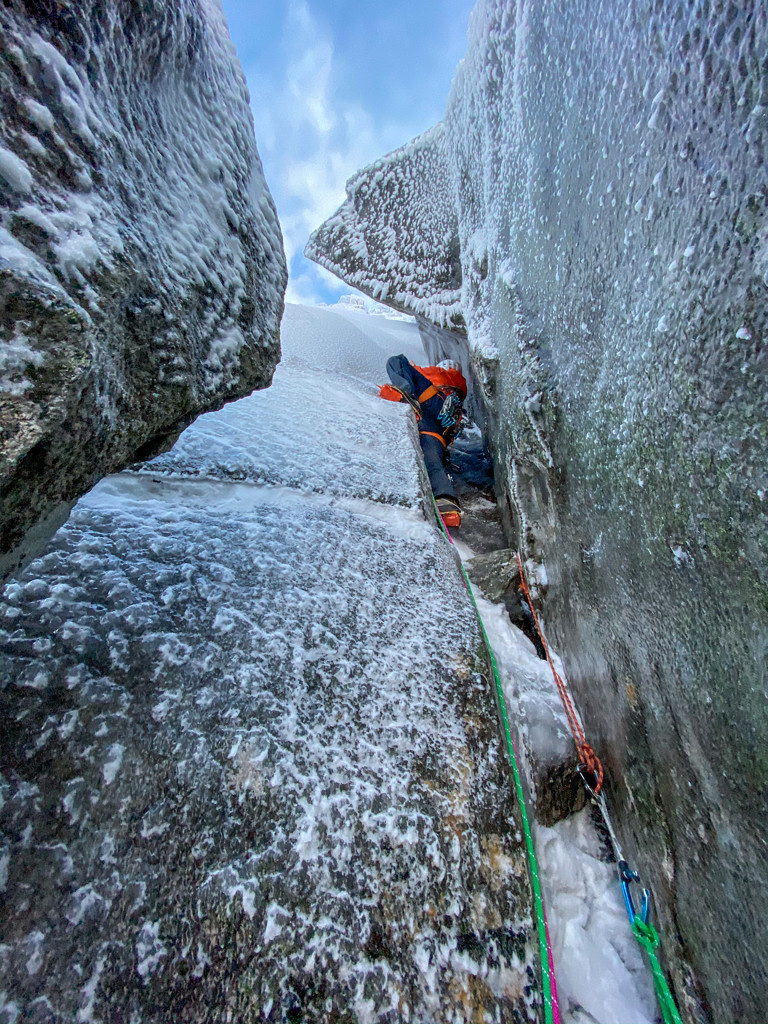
(440, 377)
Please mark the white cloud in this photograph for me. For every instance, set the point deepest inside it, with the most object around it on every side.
(311, 139)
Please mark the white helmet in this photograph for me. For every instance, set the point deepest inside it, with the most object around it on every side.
(449, 364)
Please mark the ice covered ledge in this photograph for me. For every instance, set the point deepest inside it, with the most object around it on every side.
(255, 771)
(141, 262)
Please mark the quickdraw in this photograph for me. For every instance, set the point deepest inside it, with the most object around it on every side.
(591, 772)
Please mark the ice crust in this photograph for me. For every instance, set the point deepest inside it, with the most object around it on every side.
(140, 251)
(253, 768)
(601, 976)
(327, 436)
(408, 255)
(305, 444)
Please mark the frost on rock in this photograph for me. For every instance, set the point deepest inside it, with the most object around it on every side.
(395, 237)
(141, 263)
(543, 736)
(601, 976)
(319, 431)
(253, 769)
(609, 179)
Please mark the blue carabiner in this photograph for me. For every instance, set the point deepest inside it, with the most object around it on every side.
(627, 876)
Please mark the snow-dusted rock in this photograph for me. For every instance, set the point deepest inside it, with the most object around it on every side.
(252, 769)
(609, 183)
(396, 236)
(141, 262)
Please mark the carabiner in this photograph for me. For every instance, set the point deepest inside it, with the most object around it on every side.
(627, 876)
(589, 780)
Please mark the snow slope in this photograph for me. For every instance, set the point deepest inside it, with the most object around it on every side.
(348, 340)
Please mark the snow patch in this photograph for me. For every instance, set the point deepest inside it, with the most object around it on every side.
(112, 765)
(150, 950)
(598, 963)
(15, 172)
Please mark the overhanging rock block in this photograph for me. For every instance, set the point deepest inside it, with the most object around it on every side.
(141, 264)
(395, 237)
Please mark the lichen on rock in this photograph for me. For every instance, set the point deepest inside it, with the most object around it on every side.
(141, 264)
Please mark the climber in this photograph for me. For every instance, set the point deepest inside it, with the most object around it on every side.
(435, 393)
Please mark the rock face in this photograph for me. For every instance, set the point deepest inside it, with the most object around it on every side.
(408, 256)
(252, 767)
(141, 262)
(610, 190)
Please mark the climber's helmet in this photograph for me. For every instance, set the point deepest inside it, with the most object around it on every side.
(449, 364)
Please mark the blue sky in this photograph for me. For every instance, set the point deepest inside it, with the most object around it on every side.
(335, 84)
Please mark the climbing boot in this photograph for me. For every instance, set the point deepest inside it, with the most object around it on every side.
(449, 511)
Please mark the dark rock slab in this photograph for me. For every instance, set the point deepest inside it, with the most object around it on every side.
(252, 767)
(495, 573)
(141, 263)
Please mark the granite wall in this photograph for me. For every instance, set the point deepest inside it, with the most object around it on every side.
(141, 262)
(608, 185)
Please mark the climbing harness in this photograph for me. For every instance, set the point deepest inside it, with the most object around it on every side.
(591, 772)
(431, 433)
(549, 986)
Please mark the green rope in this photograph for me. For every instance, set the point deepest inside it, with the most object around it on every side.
(648, 938)
(532, 863)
